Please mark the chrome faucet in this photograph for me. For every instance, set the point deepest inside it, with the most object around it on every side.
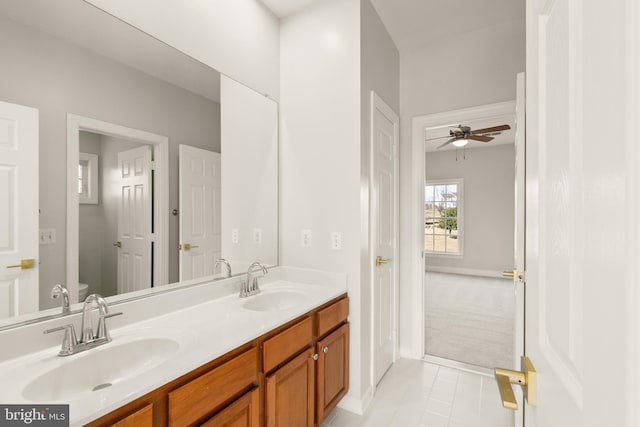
(250, 285)
(90, 337)
(226, 263)
(56, 292)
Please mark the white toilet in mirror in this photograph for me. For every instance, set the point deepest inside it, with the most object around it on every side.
(83, 290)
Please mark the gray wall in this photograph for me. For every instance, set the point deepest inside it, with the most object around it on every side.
(488, 205)
(91, 224)
(379, 72)
(58, 78)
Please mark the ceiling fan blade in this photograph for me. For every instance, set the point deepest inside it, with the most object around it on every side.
(446, 143)
(438, 137)
(491, 129)
(480, 138)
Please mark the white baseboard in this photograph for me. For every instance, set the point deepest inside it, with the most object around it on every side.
(409, 353)
(357, 406)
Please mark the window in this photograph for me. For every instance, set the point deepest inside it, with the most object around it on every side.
(443, 217)
(88, 179)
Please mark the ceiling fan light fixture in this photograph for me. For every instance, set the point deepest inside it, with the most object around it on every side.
(460, 142)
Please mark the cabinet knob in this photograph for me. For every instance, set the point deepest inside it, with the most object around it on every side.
(325, 349)
(315, 356)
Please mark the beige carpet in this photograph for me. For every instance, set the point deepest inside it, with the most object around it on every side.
(470, 319)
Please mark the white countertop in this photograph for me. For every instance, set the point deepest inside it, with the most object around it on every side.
(203, 331)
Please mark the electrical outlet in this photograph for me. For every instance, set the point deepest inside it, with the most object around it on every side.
(257, 236)
(47, 236)
(336, 240)
(234, 235)
(305, 237)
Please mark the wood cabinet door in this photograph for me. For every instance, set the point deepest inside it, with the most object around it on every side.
(332, 371)
(141, 418)
(243, 412)
(290, 393)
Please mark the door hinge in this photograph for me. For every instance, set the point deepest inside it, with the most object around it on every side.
(153, 165)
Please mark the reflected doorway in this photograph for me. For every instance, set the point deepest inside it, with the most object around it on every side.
(117, 241)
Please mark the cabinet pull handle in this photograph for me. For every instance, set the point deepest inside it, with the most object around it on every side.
(315, 356)
(325, 349)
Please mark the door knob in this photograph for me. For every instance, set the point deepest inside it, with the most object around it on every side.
(525, 378)
(25, 264)
(189, 246)
(380, 261)
(118, 244)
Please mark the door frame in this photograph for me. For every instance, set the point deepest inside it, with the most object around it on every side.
(160, 143)
(377, 103)
(416, 256)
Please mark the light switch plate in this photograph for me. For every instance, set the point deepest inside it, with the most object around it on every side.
(336, 240)
(47, 236)
(305, 238)
(234, 235)
(257, 236)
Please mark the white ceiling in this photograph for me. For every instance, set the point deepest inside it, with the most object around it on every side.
(415, 23)
(283, 8)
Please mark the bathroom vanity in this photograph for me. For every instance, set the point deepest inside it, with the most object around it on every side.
(278, 358)
(291, 376)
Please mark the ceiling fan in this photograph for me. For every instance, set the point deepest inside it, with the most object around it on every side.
(460, 135)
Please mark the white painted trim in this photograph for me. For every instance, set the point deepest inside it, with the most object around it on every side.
(461, 366)
(355, 405)
(416, 273)
(379, 104)
(160, 143)
(466, 271)
(633, 251)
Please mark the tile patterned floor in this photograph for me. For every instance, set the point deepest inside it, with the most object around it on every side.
(470, 319)
(415, 393)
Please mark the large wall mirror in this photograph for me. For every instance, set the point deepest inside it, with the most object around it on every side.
(151, 165)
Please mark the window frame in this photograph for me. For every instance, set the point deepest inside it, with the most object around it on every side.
(91, 196)
(460, 217)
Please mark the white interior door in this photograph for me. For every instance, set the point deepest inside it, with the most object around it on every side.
(384, 200)
(134, 220)
(18, 209)
(581, 292)
(200, 213)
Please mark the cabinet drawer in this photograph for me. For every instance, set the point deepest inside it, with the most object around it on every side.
(332, 316)
(287, 343)
(206, 393)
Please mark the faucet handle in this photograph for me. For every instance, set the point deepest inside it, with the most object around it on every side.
(103, 332)
(69, 342)
(108, 315)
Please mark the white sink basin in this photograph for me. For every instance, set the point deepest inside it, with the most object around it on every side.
(100, 368)
(280, 299)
